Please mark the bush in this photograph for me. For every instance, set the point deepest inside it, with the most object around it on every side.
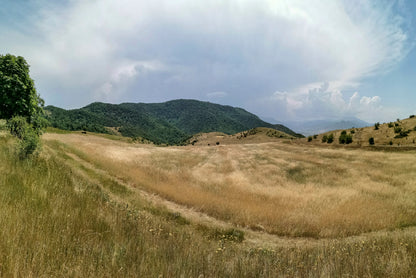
(402, 134)
(345, 138)
(309, 138)
(376, 126)
(411, 116)
(397, 129)
(28, 135)
(391, 143)
(330, 138)
(17, 126)
(390, 124)
(371, 141)
(324, 139)
(315, 136)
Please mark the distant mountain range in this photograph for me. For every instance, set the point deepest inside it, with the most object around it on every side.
(321, 126)
(171, 122)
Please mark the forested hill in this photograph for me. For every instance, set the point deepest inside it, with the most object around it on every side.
(170, 122)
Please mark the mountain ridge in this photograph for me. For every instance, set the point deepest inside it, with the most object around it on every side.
(171, 122)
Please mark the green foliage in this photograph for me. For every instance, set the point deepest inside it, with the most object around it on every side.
(345, 138)
(402, 134)
(171, 122)
(371, 141)
(391, 143)
(397, 129)
(324, 139)
(352, 131)
(411, 116)
(18, 95)
(315, 136)
(28, 135)
(17, 126)
(330, 138)
(376, 126)
(390, 125)
(309, 138)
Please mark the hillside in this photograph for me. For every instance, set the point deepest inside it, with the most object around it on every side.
(170, 122)
(321, 126)
(253, 136)
(393, 134)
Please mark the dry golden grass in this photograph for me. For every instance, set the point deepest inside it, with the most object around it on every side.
(282, 188)
(252, 136)
(60, 216)
(384, 136)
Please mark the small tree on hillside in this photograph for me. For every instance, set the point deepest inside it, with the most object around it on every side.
(371, 141)
(345, 138)
(330, 138)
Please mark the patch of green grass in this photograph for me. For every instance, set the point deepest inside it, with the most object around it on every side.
(296, 174)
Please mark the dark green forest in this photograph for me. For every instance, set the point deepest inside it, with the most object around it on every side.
(171, 122)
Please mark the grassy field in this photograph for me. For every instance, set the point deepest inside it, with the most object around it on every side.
(85, 207)
(281, 188)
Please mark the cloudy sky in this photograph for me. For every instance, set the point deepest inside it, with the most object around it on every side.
(281, 59)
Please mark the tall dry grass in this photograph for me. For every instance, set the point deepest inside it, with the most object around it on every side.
(58, 219)
(284, 189)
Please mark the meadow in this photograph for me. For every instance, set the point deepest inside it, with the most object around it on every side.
(91, 206)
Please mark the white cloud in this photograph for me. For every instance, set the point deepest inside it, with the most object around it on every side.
(161, 49)
(322, 102)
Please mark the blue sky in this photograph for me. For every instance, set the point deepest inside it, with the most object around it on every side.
(281, 59)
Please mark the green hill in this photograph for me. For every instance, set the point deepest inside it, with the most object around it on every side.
(170, 122)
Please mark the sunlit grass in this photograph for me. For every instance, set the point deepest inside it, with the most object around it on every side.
(58, 218)
(290, 190)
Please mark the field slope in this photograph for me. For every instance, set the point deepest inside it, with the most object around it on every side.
(88, 206)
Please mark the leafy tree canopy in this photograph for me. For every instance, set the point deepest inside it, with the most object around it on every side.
(18, 96)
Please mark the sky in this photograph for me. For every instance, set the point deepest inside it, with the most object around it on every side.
(287, 60)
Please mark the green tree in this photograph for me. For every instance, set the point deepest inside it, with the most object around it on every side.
(20, 104)
(345, 138)
(371, 141)
(330, 138)
(18, 96)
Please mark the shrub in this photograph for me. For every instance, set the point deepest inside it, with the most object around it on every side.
(27, 134)
(402, 134)
(324, 139)
(391, 143)
(371, 141)
(330, 138)
(411, 116)
(376, 126)
(352, 131)
(309, 138)
(390, 124)
(397, 129)
(17, 126)
(345, 138)
(316, 136)
(29, 144)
